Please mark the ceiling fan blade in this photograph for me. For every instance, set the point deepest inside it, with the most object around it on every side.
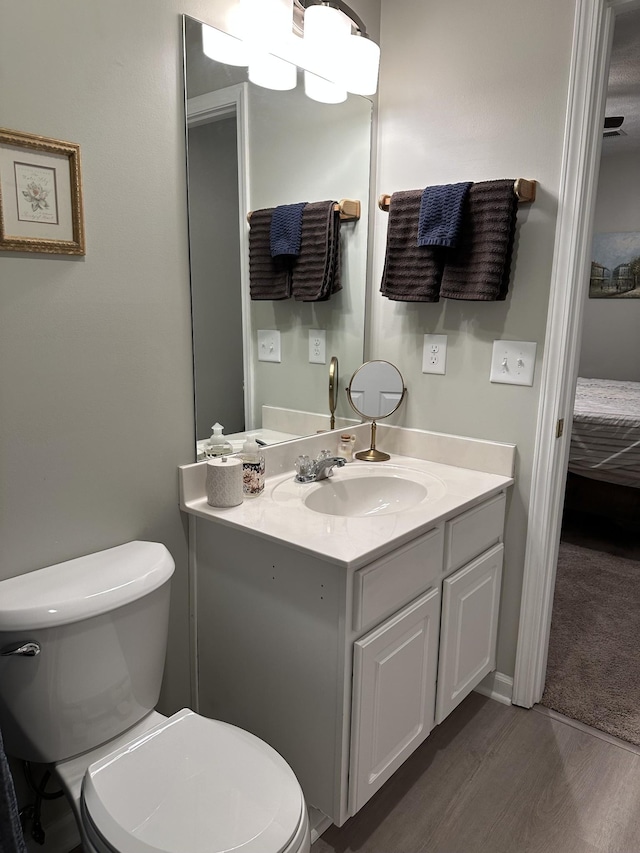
(613, 122)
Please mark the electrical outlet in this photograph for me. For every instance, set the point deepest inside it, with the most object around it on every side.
(434, 354)
(317, 346)
(269, 345)
(512, 362)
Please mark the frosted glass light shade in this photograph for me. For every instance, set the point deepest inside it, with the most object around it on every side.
(268, 26)
(272, 73)
(321, 90)
(362, 61)
(326, 35)
(224, 47)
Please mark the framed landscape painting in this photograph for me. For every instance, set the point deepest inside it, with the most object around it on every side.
(615, 266)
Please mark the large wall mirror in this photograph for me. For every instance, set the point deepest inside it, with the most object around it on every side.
(251, 148)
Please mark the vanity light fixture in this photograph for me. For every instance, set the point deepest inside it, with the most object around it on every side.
(325, 38)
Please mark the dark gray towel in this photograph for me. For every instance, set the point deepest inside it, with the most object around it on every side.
(440, 217)
(479, 268)
(269, 278)
(11, 837)
(411, 273)
(316, 270)
(286, 229)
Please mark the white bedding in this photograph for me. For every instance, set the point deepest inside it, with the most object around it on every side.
(605, 438)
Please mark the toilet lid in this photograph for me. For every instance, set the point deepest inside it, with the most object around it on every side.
(194, 784)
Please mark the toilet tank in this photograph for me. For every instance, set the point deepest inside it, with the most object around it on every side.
(101, 624)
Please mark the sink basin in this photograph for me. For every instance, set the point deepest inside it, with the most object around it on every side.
(357, 497)
(362, 490)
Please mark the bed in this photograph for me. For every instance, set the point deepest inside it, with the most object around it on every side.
(605, 439)
(603, 480)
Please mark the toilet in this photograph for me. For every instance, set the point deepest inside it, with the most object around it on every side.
(82, 648)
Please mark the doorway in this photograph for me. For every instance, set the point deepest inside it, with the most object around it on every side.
(595, 21)
(596, 606)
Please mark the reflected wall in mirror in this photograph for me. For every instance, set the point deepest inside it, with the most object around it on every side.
(375, 391)
(251, 148)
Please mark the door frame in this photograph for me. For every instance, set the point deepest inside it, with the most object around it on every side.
(214, 106)
(593, 35)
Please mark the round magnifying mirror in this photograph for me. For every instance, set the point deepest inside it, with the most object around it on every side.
(375, 391)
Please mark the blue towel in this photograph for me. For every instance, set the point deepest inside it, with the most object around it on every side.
(440, 218)
(286, 229)
(11, 837)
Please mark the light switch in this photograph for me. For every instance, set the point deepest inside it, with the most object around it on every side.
(268, 345)
(434, 354)
(317, 346)
(513, 362)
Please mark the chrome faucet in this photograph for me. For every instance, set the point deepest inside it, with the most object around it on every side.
(311, 470)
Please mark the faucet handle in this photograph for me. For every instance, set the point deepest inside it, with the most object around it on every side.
(304, 466)
(324, 454)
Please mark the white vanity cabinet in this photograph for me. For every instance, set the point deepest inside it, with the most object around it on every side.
(346, 669)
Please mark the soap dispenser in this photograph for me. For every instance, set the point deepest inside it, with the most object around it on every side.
(253, 466)
(218, 445)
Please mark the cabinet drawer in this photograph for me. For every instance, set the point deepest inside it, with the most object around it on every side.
(386, 584)
(473, 532)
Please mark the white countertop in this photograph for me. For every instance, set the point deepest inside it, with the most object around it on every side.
(280, 515)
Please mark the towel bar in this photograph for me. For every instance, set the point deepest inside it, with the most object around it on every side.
(349, 210)
(523, 188)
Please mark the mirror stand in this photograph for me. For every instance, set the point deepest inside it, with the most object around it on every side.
(375, 391)
(333, 388)
(372, 455)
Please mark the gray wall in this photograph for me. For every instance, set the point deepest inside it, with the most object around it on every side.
(301, 150)
(96, 387)
(611, 327)
(474, 91)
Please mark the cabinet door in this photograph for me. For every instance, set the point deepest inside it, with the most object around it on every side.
(470, 600)
(394, 677)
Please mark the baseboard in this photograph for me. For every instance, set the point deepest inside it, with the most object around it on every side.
(496, 686)
(61, 836)
(318, 822)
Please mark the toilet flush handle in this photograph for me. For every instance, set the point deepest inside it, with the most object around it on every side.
(29, 649)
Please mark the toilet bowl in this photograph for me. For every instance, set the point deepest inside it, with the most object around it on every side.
(188, 784)
(81, 651)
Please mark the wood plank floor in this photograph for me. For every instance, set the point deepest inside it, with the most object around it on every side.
(499, 779)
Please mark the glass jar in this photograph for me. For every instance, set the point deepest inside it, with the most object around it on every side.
(345, 446)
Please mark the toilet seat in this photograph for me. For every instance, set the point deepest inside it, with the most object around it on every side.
(194, 784)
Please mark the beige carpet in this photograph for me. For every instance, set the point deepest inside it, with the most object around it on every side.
(593, 672)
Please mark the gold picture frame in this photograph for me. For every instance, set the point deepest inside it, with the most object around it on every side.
(40, 195)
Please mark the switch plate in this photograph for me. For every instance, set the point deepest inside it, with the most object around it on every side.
(317, 346)
(268, 345)
(434, 354)
(513, 362)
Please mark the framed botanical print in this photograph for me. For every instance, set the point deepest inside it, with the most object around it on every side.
(40, 195)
